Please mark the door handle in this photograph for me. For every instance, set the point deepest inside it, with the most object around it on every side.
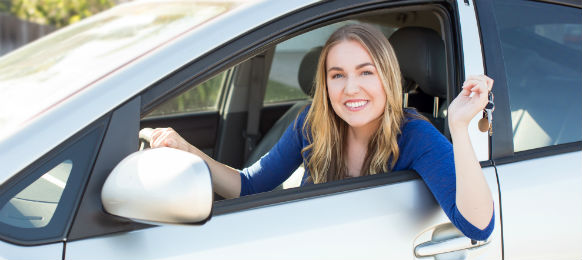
(432, 248)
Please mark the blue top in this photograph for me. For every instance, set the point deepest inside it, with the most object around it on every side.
(432, 160)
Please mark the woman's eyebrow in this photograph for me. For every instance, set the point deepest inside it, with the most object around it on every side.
(335, 68)
(364, 65)
(357, 67)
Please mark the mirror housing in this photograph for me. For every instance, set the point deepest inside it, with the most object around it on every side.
(162, 185)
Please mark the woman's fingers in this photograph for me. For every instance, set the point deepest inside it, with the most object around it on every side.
(155, 140)
(480, 85)
(476, 89)
(482, 79)
(471, 100)
(162, 137)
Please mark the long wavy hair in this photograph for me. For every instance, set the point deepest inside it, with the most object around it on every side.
(327, 132)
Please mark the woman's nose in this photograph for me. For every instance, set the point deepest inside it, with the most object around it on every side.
(352, 86)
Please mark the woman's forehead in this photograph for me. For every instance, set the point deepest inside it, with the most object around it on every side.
(348, 54)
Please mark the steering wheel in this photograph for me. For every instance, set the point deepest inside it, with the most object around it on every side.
(145, 138)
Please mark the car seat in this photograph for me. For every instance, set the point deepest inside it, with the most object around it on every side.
(421, 55)
(305, 76)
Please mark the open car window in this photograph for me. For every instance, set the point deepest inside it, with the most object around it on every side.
(283, 81)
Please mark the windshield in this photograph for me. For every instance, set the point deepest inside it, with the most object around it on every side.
(41, 74)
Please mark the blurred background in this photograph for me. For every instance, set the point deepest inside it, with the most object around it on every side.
(23, 21)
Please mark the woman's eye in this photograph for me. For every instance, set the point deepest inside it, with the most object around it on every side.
(367, 72)
(337, 76)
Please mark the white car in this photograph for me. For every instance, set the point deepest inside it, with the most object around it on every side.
(227, 75)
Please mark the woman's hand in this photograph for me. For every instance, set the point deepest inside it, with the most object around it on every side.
(167, 137)
(464, 107)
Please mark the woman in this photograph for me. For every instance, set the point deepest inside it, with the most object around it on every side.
(356, 126)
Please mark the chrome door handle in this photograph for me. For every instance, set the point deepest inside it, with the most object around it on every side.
(432, 248)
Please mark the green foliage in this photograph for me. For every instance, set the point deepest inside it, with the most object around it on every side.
(277, 91)
(4, 6)
(204, 97)
(58, 13)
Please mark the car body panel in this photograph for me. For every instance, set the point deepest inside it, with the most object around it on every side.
(541, 204)
(50, 251)
(369, 223)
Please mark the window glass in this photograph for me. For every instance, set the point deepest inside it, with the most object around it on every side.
(542, 50)
(35, 206)
(203, 97)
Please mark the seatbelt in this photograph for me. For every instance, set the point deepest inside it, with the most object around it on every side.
(256, 93)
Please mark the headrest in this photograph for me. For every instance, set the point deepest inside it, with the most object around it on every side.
(307, 70)
(421, 55)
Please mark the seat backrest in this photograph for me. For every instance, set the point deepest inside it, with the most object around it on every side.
(306, 77)
(421, 56)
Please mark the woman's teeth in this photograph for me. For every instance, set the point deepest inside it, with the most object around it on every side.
(356, 104)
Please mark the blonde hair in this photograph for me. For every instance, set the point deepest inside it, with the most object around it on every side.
(326, 132)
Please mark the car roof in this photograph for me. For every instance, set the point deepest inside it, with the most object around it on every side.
(42, 128)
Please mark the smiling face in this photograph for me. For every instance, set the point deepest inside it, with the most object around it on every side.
(354, 87)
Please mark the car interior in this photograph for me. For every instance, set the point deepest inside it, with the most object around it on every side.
(256, 100)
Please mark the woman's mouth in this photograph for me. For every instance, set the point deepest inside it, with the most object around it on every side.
(356, 105)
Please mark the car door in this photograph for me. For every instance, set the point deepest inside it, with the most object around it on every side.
(535, 56)
(385, 215)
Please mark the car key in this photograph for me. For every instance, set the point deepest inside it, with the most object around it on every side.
(486, 123)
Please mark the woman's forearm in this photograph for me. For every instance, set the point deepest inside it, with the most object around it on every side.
(225, 180)
(473, 197)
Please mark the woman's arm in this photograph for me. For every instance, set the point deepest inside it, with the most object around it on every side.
(473, 197)
(225, 180)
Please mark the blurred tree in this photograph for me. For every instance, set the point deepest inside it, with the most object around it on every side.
(5, 5)
(58, 13)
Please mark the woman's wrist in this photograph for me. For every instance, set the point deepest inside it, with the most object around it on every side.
(193, 149)
(458, 130)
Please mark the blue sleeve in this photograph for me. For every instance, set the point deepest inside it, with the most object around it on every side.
(278, 164)
(434, 161)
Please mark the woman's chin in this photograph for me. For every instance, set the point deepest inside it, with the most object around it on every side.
(361, 124)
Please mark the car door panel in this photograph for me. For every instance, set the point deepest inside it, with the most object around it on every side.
(372, 223)
(542, 207)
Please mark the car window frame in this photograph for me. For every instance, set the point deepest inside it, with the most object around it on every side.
(120, 140)
(502, 139)
(245, 47)
(223, 89)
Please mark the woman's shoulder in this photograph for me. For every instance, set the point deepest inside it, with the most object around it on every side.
(300, 117)
(418, 127)
(415, 121)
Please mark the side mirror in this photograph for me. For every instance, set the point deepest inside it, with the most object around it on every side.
(162, 185)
